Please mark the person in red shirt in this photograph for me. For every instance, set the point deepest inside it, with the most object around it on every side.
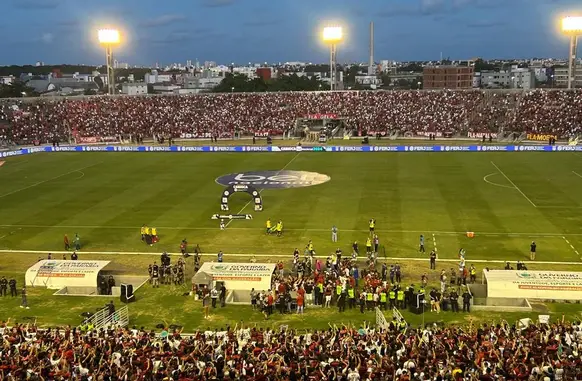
(300, 302)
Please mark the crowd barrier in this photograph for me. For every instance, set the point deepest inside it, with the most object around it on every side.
(436, 148)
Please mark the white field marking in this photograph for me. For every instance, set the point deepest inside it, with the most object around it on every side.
(260, 191)
(434, 242)
(46, 181)
(238, 255)
(12, 232)
(577, 174)
(492, 234)
(492, 183)
(79, 177)
(572, 246)
(514, 186)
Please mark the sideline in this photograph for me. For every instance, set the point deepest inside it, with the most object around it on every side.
(572, 246)
(428, 231)
(236, 255)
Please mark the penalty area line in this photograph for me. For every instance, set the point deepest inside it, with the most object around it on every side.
(261, 191)
(238, 255)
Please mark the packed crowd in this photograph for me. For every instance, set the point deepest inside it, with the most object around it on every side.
(226, 115)
(523, 351)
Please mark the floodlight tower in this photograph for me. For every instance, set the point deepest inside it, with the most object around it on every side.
(332, 35)
(109, 38)
(572, 27)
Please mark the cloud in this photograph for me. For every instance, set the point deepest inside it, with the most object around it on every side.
(485, 24)
(47, 38)
(420, 8)
(261, 23)
(162, 21)
(182, 36)
(36, 4)
(217, 3)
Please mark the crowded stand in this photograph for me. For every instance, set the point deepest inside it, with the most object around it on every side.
(259, 114)
(488, 352)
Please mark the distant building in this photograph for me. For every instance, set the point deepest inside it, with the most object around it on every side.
(491, 79)
(265, 73)
(561, 77)
(447, 77)
(155, 77)
(6, 80)
(371, 81)
(523, 78)
(138, 88)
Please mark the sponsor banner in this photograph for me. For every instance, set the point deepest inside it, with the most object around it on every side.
(541, 137)
(366, 148)
(556, 285)
(204, 135)
(57, 274)
(241, 276)
(321, 116)
(480, 135)
(274, 179)
(87, 139)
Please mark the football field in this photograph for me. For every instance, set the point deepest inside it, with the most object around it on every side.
(507, 199)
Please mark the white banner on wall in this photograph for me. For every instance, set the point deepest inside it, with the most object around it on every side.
(563, 285)
(57, 274)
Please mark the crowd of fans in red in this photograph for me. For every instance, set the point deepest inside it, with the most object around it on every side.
(489, 352)
(224, 115)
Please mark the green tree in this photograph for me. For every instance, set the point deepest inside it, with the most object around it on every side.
(16, 90)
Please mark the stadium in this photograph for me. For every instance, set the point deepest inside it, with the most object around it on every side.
(340, 235)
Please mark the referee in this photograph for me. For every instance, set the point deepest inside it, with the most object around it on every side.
(532, 251)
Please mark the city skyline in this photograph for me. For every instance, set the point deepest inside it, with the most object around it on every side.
(64, 31)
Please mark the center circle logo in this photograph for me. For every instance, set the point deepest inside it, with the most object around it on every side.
(274, 179)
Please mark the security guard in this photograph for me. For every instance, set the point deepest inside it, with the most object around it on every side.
(368, 246)
(338, 292)
(400, 298)
(383, 299)
(352, 297)
(473, 274)
(3, 286)
(12, 284)
(370, 299)
(454, 298)
(392, 296)
(372, 225)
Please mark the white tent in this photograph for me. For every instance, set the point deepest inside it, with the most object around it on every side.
(57, 274)
(240, 276)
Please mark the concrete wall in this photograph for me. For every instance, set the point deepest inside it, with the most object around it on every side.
(501, 304)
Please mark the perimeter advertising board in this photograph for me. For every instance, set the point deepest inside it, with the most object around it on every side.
(241, 276)
(559, 285)
(57, 274)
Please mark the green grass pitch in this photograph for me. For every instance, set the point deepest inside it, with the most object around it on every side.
(507, 199)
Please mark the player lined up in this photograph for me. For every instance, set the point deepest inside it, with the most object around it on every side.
(149, 235)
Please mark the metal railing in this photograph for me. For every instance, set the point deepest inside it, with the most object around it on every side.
(104, 319)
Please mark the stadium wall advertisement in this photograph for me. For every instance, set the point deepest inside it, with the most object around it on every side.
(457, 148)
(57, 274)
(241, 276)
(546, 285)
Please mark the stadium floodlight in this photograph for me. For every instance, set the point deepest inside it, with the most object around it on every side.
(572, 27)
(109, 38)
(332, 35)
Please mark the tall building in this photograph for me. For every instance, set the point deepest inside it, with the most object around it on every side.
(560, 78)
(448, 77)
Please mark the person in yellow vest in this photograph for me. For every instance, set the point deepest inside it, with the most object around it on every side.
(279, 228)
(143, 233)
(338, 291)
(383, 299)
(369, 299)
(310, 247)
(268, 226)
(368, 246)
(392, 296)
(154, 235)
(149, 236)
(372, 225)
(351, 297)
(400, 298)
(473, 274)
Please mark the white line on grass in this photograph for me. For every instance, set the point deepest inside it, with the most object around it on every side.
(260, 191)
(237, 255)
(492, 234)
(434, 242)
(515, 186)
(577, 174)
(572, 246)
(492, 183)
(47, 180)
